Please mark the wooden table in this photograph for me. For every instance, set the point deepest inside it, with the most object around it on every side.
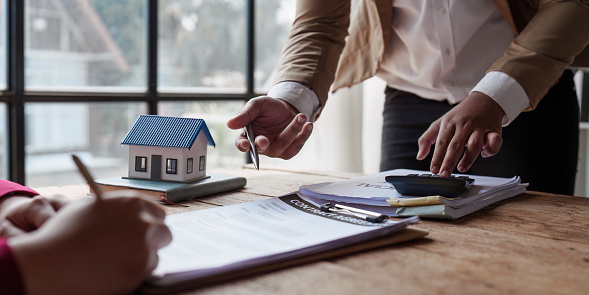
(535, 243)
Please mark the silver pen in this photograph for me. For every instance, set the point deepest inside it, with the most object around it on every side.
(249, 133)
(369, 216)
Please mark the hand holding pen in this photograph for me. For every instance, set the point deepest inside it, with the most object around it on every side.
(280, 130)
(89, 179)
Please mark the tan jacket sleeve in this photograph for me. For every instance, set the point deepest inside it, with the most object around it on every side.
(536, 58)
(314, 45)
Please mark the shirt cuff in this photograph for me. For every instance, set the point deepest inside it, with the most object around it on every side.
(299, 96)
(506, 92)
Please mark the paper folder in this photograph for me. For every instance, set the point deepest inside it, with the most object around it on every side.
(404, 235)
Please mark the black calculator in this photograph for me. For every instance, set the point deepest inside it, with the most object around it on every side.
(430, 184)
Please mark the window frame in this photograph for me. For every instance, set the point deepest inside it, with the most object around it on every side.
(189, 165)
(15, 97)
(140, 164)
(171, 166)
(202, 164)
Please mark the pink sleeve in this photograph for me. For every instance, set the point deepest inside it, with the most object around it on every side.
(10, 279)
(7, 187)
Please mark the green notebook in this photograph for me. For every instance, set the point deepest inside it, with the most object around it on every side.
(176, 191)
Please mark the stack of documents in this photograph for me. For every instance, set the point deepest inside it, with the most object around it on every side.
(243, 239)
(373, 193)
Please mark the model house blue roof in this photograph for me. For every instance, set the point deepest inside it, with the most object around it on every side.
(150, 130)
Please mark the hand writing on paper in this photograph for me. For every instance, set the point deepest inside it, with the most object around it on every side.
(91, 246)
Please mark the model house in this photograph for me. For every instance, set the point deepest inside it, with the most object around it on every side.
(168, 148)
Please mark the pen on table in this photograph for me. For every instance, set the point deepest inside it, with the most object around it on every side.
(88, 177)
(249, 133)
(364, 214)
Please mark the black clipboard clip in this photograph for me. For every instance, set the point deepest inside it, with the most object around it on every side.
(364, 214)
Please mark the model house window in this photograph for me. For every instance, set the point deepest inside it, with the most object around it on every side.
(189, 164)
(201, 164)
(141, 164)
(171, 165)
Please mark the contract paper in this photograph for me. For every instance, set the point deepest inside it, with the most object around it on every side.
(218, 240)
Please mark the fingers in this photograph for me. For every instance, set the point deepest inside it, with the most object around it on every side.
(288, 142)
(453, 144)
(427, 139)
(250, 111)
(470, 128)
(145, 218)
(159, 235)
(151, 213)
(32, 213)
(492, 145)
(58, 201)
(449, 147)
(283, 140)
(151, 263)
(154, 211)
(242, 143)
(239, 121)
(297, 144)
(279, 130)
(7, 229)
(25, 214)
(473, 147)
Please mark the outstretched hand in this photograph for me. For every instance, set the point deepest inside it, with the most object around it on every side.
(279, 130)
(470, 128)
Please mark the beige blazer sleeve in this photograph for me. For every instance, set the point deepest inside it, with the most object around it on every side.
(314, 45)
(555, 35)
(552, 34)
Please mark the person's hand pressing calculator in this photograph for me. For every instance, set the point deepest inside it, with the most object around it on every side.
(430, 184)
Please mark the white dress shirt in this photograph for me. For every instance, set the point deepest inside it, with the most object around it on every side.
(440, 50)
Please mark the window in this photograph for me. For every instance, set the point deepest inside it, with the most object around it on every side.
(272, 25)
(189, 165)
(171, 165)
(82, 71)
(88, 45)
(202, 46)
(202, 164)
(141, 164)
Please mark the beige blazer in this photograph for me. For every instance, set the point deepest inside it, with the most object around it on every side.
(550, 35)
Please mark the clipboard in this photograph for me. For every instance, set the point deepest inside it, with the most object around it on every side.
(289, 231)
(404, 235)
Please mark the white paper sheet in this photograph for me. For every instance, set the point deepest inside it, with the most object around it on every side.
(373, 190)
(220, 239)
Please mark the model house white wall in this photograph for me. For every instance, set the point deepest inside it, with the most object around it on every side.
(182, 172)
(168, 148)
